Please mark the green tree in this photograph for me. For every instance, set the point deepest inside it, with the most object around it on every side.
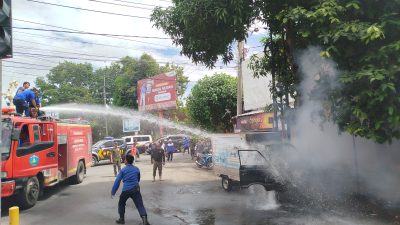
(131, 71)
(110, 74)
(361, 36)
(209, 100)
(68, 82)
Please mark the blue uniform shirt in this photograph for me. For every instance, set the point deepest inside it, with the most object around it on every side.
(170, 147)
(19, 90)
(130, 175)
(26, 95)
(37, 100)
(186, 143)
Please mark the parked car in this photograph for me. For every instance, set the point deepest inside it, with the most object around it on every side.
(102, 149)
(143, 142)
(176, 139)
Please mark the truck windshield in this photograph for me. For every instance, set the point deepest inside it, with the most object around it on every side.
(5, 141)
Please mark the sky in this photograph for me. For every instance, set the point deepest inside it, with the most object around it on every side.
(33, 49)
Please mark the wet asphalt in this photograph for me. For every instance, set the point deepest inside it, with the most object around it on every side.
(187, 195)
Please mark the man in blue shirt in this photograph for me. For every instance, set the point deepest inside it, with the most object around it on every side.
(38, 103)
(24, 87)
(21, 101)
(186, 145)
(130, 175)
(170, 148)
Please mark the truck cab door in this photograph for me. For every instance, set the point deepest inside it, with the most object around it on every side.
(253, 168)
(35, 152)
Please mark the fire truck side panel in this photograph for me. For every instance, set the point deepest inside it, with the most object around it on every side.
(77, 148)
(36, 151)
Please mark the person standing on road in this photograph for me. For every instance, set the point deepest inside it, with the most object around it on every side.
(170, 150)
(134, 150)
(186, 145)
(136, 144)
(158, 160)
(130, 175)
(116, 158)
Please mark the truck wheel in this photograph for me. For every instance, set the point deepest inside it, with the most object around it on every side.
(80, 173)
(30, 194)
(226, 184)
(95, 161)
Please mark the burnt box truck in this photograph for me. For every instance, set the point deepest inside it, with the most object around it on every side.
(38, 153)
(238, 164)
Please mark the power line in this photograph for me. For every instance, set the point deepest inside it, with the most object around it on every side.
(24, 63)
(113, 58)
(90, 33)
(137, 3)
(61, 57)
(74, 53)
(87, 59)
(116, 4)
(36, 58)
(24, 67)
(48, 25)
(90, 10)
(33, 75)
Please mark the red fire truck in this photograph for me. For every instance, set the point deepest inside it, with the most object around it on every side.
(38, 153)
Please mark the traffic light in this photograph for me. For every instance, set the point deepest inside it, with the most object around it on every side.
(5, 29)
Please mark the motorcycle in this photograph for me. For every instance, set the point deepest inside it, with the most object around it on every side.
(204, 160)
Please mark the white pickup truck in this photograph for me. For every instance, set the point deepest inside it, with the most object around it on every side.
(239, 164)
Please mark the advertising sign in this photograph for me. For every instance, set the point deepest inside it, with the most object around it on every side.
(261, 121)
(254, 100)
(157, 92)
(131, 125)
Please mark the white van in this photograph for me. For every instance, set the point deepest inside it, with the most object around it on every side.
(142, 140)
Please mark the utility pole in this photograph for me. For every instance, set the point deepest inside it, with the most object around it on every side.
(105, 101)
(239, 79)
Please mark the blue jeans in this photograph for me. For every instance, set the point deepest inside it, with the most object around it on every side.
(135, 195)
(21, 106)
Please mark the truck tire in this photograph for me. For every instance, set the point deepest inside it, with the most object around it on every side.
(30, 193)
(95, 161)
(226, 183)
(80, 173)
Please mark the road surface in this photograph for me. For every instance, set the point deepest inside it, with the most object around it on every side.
(187, 195)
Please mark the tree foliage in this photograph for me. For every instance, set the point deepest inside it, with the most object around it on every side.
(360, 36)
(209, 99)
(68, 82)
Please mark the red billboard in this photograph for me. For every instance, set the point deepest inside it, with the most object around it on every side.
(157, 93)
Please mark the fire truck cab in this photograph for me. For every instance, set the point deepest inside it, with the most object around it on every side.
(38, 153)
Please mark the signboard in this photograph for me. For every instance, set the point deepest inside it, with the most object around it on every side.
(260, 121)
(157, 93)
(254, 100)
(131, 125)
